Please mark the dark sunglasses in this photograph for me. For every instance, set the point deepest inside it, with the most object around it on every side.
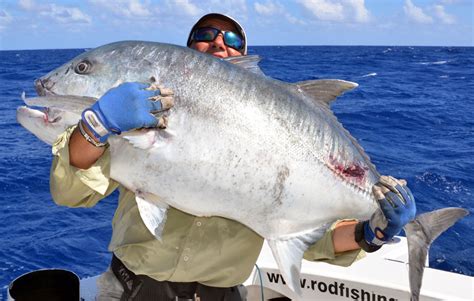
(209, 34)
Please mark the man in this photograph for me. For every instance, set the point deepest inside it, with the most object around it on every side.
(205, 36)
(205, 257)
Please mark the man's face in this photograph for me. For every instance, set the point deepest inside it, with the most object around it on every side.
(217, 47)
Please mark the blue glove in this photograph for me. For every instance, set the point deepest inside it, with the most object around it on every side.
(397, 208)
(122, 109)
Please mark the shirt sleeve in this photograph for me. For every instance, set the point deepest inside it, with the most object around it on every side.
(75, 187)
(323, 250)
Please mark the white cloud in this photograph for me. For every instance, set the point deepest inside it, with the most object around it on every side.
(294, 20)
(61, 14)
(275, 9)
(171, 9)
(136, 8)
(67, 14)
(450, 1)
(416, 14)
(131, 9)
(362, 15)
(235, 8)
(268, 8)
(27, 4)
(442, 15)
(5, 19)
(338, 10)
(187, 7)
(324, 10)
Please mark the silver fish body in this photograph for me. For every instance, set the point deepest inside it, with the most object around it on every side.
(238, 145)
(236, 136)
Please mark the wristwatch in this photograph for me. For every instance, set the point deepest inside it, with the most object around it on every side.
(360, 238)
(89, 138)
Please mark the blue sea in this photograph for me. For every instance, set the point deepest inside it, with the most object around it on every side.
(412, 113)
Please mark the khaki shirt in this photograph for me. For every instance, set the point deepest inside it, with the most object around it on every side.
(214, 251)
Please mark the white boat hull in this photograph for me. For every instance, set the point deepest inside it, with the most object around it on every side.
(382, 275)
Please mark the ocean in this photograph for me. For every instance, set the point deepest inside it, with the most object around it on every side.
(412, 113)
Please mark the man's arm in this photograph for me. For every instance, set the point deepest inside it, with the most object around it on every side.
(83, 154)
(343, 236)
(76, 187)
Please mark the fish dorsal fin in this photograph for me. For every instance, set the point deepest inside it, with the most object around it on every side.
(325, 90)
(153, 212)
(288, 253)
(248, 62)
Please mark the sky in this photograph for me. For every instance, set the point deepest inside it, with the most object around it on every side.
(43, 24)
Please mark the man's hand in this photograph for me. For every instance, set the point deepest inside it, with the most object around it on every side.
(397, 208)
(126, 107)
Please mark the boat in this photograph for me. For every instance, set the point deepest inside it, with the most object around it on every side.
(380, 276)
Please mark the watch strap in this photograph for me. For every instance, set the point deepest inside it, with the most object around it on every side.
(89, 138)
(360, 239)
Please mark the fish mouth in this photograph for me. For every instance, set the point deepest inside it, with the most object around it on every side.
(36, 111)
(31, 112)
(39, 113)
(40, 123)
(43, 87)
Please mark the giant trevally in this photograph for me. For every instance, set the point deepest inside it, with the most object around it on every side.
(240, 145)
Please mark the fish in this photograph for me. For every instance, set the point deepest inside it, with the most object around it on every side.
(238, 144)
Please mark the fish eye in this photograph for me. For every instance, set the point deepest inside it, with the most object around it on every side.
(84, 67)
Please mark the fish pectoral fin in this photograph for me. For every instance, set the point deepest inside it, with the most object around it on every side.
(288, 253)
(248, 62)
(153, 212)
(420, 234)
(325, 90)
(147, 138)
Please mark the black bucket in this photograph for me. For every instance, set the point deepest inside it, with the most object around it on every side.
(51, 285)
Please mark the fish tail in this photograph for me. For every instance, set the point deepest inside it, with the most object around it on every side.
(421, 232)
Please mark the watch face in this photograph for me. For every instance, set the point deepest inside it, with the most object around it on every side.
(94, 123)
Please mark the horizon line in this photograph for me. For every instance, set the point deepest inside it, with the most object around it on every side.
(287, 45)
